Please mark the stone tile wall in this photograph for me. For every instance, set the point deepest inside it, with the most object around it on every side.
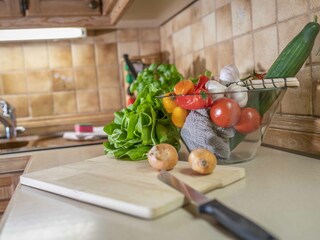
(248, 33)
(50, 79)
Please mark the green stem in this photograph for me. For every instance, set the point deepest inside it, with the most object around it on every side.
(315, 18)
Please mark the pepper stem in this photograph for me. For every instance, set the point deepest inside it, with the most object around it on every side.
(315, 18)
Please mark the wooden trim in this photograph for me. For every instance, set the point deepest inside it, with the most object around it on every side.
(118, 10)
(296, 123)
(298, 134)
(90, 22)
(107, 6)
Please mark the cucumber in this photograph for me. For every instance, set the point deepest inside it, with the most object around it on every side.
(290, 61)
(295, 53)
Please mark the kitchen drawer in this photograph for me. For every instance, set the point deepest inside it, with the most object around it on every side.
(10, 171)
(13, 164)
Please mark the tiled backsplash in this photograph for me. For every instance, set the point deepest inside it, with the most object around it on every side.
(250, 34)
(48, 79)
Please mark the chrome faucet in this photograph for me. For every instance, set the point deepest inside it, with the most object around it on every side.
(8, 119)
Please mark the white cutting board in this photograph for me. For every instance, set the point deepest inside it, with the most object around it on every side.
(126, 186)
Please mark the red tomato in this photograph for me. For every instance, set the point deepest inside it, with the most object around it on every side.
(201, 99)
(225, 112)
(250, 121)
(184, 87)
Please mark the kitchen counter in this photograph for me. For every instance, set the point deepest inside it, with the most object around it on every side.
(280, 192)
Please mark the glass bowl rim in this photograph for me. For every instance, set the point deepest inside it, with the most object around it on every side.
(225, 92)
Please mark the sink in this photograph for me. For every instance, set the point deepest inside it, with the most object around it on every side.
(41, 142)
(13, 144)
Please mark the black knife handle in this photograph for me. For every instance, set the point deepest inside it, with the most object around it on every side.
(240, 226)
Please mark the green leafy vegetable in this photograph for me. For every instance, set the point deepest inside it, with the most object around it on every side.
(137, 128)
(163, 77)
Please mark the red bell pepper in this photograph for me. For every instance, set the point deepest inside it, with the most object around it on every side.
(201, 99)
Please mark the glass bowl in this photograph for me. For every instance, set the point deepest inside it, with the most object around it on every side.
(229, 124)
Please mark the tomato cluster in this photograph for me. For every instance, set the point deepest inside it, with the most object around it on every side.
(225, 112)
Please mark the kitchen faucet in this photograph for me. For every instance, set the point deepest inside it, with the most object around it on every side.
(8, 119)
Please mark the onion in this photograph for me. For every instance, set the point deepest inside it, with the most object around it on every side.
(163, 156)
(202, 161)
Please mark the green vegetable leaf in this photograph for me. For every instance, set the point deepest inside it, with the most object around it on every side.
(145, 123)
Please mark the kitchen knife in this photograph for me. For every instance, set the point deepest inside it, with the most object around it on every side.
(240, 226)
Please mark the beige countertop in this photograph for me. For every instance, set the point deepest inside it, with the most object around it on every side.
(280, 192)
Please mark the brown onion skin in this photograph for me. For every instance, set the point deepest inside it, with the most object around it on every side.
(202, 161)
(163, 157)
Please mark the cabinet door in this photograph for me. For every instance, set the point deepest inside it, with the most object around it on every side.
(49, 8)
(10, 8)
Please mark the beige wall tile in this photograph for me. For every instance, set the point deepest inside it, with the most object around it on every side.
(314, 4)
(105, 36)
(209, 30)
(60, 55)
(166, 30)
(64, 102)
(87, 40)
(206, 6)
(289, 29)
(167, 50)
(1, 88)
(210, 56)
(316, 90)
(291, 8)
(110, 99)
(39, 81)
(197, 36)
(20, 103)
(182, 42)
(128, 35)
(14, 82)
(243, 53)
(185, 65)
(108, 76)
(11, 57)
(182, 20)
(199, 63)
(263, 13)
(130, 48)
(62, 79)
(299, 100)
(224, 23)
(41, 105)
(225, 54)
(149, 34)
(106, 53)
(83, 55)
(86, 78)
(314, 57)
(35, 55)
(265, 48)
(220, 3)
(241, 16)
(88, 101)
(195, 11)
(147, 48)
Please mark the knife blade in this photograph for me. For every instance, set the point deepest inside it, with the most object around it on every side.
(237, 224)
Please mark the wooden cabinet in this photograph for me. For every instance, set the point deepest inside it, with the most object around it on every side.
(63, 8)
(61, 13)
(10, 171)
(10, 8)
